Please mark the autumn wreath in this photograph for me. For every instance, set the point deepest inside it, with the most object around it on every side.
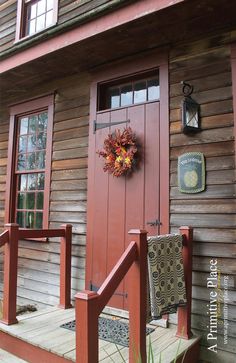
(119, 152)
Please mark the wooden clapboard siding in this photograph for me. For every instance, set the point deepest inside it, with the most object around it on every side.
(8, 23)
(212, 213)
(69, 10)
(38, 265)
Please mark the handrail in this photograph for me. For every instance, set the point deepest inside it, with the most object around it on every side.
(89, 304)
(4, 236)
(115, 277)
(9, 238)
(40, 233)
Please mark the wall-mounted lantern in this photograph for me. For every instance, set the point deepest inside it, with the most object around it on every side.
(190, 111)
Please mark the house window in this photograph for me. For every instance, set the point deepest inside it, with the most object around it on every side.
(30, 169)
(34, 16)
(137, 90)
(28, 173)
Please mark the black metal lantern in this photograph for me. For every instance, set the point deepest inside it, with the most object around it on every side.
(190, 111)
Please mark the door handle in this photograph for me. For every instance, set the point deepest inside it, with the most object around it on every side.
(154, 223)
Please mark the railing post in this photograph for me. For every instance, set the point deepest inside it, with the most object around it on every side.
(86, 315)
(184, 313)
(65, 267)
(10, 275)
(137, 295)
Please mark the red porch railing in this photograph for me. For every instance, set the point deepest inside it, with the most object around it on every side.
(90, 304)
(9, 239)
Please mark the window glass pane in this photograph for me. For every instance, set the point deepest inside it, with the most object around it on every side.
(49, 4)
(153, 89)
(140, 92)
(39, 202)
(40, 23)
(41, 178)
(30, 198)
(30, 220)
(49, 18)
(126, 95)
(21, 201)
(22, 144)
(21, 162)
(32, 11)
(31, 161)
(20, 219)
(31, 143)
(42, 122)
(41, 159)
(42, 138)
(114, 98)
(31, 27)
(41, 7)
(33, 124)
(22, 182)
(39, 220)
(32, 181)
(24, 126)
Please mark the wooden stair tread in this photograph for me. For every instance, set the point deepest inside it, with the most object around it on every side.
(6, 357)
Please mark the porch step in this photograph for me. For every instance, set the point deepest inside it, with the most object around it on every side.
(6, 357)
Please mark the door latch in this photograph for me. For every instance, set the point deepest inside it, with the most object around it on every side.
(154, 223)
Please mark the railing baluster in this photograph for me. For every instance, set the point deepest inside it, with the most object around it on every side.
(10, 275)
(65, 267)
(137, 293)
(184, 313)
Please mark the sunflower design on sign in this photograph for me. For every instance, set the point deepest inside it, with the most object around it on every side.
(119, 152)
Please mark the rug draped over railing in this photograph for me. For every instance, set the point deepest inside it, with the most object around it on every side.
(166, 280)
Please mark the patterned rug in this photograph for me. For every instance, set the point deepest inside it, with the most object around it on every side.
(113, 331)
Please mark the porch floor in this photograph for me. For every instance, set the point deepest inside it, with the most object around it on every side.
(42, 329)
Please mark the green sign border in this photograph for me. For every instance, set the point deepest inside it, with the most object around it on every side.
(192, 190)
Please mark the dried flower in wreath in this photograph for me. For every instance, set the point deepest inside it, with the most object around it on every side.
(119, 152)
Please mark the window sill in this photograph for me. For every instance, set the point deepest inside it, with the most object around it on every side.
(39, 33)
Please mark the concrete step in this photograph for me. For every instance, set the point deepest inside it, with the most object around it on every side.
(6, 357)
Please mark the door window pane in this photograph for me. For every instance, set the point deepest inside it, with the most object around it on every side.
(140, 92)
(126, 95)
(114, 98)
(136, 91)
(153, 89)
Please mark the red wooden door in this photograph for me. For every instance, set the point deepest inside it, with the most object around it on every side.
(117, 205)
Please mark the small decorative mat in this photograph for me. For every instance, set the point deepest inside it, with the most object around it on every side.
(113, 331)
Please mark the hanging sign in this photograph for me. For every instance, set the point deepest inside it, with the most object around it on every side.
(191, 172)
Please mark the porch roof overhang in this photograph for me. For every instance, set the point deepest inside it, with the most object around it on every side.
(129, 30)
